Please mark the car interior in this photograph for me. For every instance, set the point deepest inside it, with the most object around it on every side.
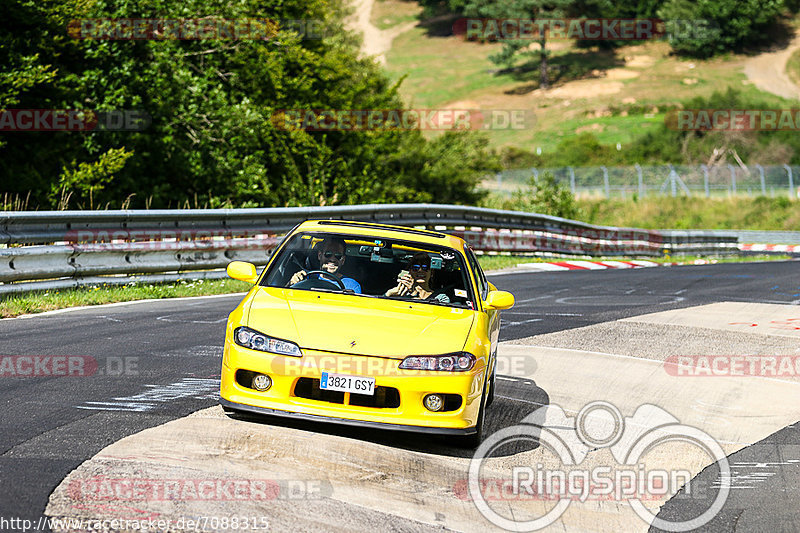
(375, 264)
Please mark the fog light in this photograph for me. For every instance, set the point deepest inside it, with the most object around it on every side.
(262, 382)
(433, 402)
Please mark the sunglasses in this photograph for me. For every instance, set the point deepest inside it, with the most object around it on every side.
(328, 255)
(417, 268)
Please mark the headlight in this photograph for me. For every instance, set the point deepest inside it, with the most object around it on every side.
(449, 362)
(250, 338)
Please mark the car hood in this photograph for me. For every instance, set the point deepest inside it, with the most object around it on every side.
(357, 324)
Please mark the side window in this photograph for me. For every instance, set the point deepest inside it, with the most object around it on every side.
(483, 284)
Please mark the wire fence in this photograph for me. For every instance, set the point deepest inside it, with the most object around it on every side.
(665, 180)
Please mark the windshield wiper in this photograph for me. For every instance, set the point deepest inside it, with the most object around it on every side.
(337, 291)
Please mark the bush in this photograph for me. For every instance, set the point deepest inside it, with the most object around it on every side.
(732, 24)
(545, 196)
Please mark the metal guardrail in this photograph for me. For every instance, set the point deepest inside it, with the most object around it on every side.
(62, 249)
(767, 237)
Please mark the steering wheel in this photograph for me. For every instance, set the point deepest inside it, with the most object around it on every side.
(325, 276)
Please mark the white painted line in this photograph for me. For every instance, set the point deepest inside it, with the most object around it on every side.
(616, 264)
(587, 264)
(543, 266)
(119, 304)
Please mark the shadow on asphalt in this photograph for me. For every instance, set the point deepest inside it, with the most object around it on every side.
(515, 399)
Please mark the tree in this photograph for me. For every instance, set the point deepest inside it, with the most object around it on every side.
(548, 197)
(213, 139)
(706, 27)
(514, 49)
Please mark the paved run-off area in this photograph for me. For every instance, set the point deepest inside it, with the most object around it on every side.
(318, 477)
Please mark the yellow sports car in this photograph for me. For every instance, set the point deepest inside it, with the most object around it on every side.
(366, 324)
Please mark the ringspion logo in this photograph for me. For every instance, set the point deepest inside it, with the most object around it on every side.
(632, 472)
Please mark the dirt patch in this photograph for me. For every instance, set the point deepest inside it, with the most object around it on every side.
(621, 74)
(593, 128)
(641, 61)
(585, 89)
(768, 71)
(376, 41)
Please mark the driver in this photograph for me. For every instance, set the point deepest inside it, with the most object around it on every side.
(331, 255)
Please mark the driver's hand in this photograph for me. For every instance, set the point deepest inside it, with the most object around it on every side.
(298, 277)
(405, 282)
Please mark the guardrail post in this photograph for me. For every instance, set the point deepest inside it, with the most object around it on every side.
(605, 182)
(672, 183)
(733, 178)
(535, 173)
(791, 181)
(572, 180)
(641, 179)
(705, 180)
(763, 181)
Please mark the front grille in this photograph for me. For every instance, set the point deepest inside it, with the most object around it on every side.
(309, 388)
(384, 397)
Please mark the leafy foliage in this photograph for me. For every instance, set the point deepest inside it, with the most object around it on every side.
(212, 136)
(544, 195)
(718, 26)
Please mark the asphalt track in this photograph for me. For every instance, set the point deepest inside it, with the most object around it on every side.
(51, 425)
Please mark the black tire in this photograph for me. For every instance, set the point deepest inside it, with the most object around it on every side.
(473, 441)
(230, 411)
(490, 395)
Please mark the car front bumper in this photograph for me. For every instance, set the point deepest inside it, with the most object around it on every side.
(412, 386)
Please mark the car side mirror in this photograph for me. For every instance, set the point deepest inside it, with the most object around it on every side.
(242, 271)
(499, 300)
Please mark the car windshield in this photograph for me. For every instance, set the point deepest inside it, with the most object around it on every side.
(372, 267)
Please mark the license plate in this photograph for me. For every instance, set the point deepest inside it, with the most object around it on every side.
(343, 383)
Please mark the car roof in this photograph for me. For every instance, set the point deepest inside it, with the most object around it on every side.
(371, 229)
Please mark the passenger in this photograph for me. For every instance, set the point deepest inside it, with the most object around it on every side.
(415, 282)
(331, 255)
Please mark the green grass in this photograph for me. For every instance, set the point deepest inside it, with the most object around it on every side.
(590, 93)
(38, 302)
(740, 212)
(793, 67)
(387, 14)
